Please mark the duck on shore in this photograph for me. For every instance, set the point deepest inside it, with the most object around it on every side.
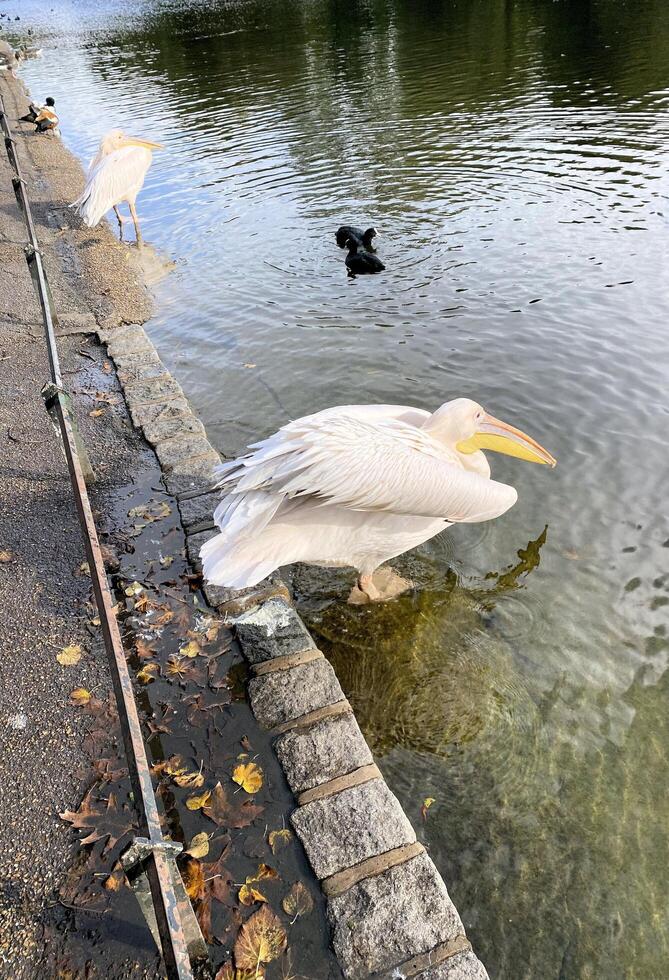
(360, 263)
(34, 110)
(365, 238)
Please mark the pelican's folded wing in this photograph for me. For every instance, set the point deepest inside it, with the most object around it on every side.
(367, 465)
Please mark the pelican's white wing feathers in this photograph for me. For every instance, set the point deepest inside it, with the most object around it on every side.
(116, 177)
(360, 463)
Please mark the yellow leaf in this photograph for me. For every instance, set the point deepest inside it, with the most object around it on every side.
(264, 871)
(166, 561)
(174, 766)
(80, 696)
(193, 879)
(427, 802)
(248, 776)
(248, 895)
(228, 972)
(134, 588)
(190, 780)
(147, 673)
(298, 901)
(69, 656)
(190, 649)
(96, 413)
(199, 846)
(261, 939)
(5, 556)
(278, 839)
(197, 802)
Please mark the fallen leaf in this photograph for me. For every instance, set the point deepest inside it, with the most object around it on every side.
(298, 901)
(116, 880)
(228, 972)
(279, 838)
(106, 367)
(200, 802)
(142, 604)
(248, 895)
(80, 696)
(199, 845)
(5, 556)
(144, 650)
(190, 780)
(261, 939)
(96, 413)
(176, 667)
(193, 879)
(133, 589)
(109, 823)
(166, 561)
(227, 814)
(148, 673)
(69, 656)
(190, 649)
(248, 776)
(427, 803)
(264, 871)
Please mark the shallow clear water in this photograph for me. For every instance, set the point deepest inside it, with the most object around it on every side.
(514, 156)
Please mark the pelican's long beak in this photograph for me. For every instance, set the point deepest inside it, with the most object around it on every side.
(147, 144)
(503, 438)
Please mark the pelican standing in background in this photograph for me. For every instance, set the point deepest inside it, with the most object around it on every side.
(356, 486)
(9, 58)
(116, 174)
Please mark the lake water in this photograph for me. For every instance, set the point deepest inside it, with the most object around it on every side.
(514, 157)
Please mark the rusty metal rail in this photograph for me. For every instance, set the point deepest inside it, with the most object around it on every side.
(179, 936)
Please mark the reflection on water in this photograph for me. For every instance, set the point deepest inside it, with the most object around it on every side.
(513, 153)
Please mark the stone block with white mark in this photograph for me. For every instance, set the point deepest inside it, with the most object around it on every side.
(342, 830)
(273, 630)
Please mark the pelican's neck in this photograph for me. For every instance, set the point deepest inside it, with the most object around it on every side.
(443, 429)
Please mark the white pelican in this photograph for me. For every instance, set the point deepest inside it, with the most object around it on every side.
(356, 486)
(9, 58)
(116, 174)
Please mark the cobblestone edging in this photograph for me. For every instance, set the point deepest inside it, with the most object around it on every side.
(388, 907)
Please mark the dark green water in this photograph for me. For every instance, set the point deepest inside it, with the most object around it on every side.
(514, 155)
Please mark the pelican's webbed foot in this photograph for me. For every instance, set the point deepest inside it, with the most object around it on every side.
(383, 585)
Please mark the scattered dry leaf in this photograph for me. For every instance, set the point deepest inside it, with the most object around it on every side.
(190, 649)
(228, 972)
(199, 802)
(199, 846)
(248, 776)
(298, 901)
(144, 650)
(69, 656)
(134, 588)
(5, 556)
(80, 696)
(279, 838)
(96, 413)
(148, 673)
(227, 814)
(248, 895)
(193, 879)
(190, 780)
(261, 939)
